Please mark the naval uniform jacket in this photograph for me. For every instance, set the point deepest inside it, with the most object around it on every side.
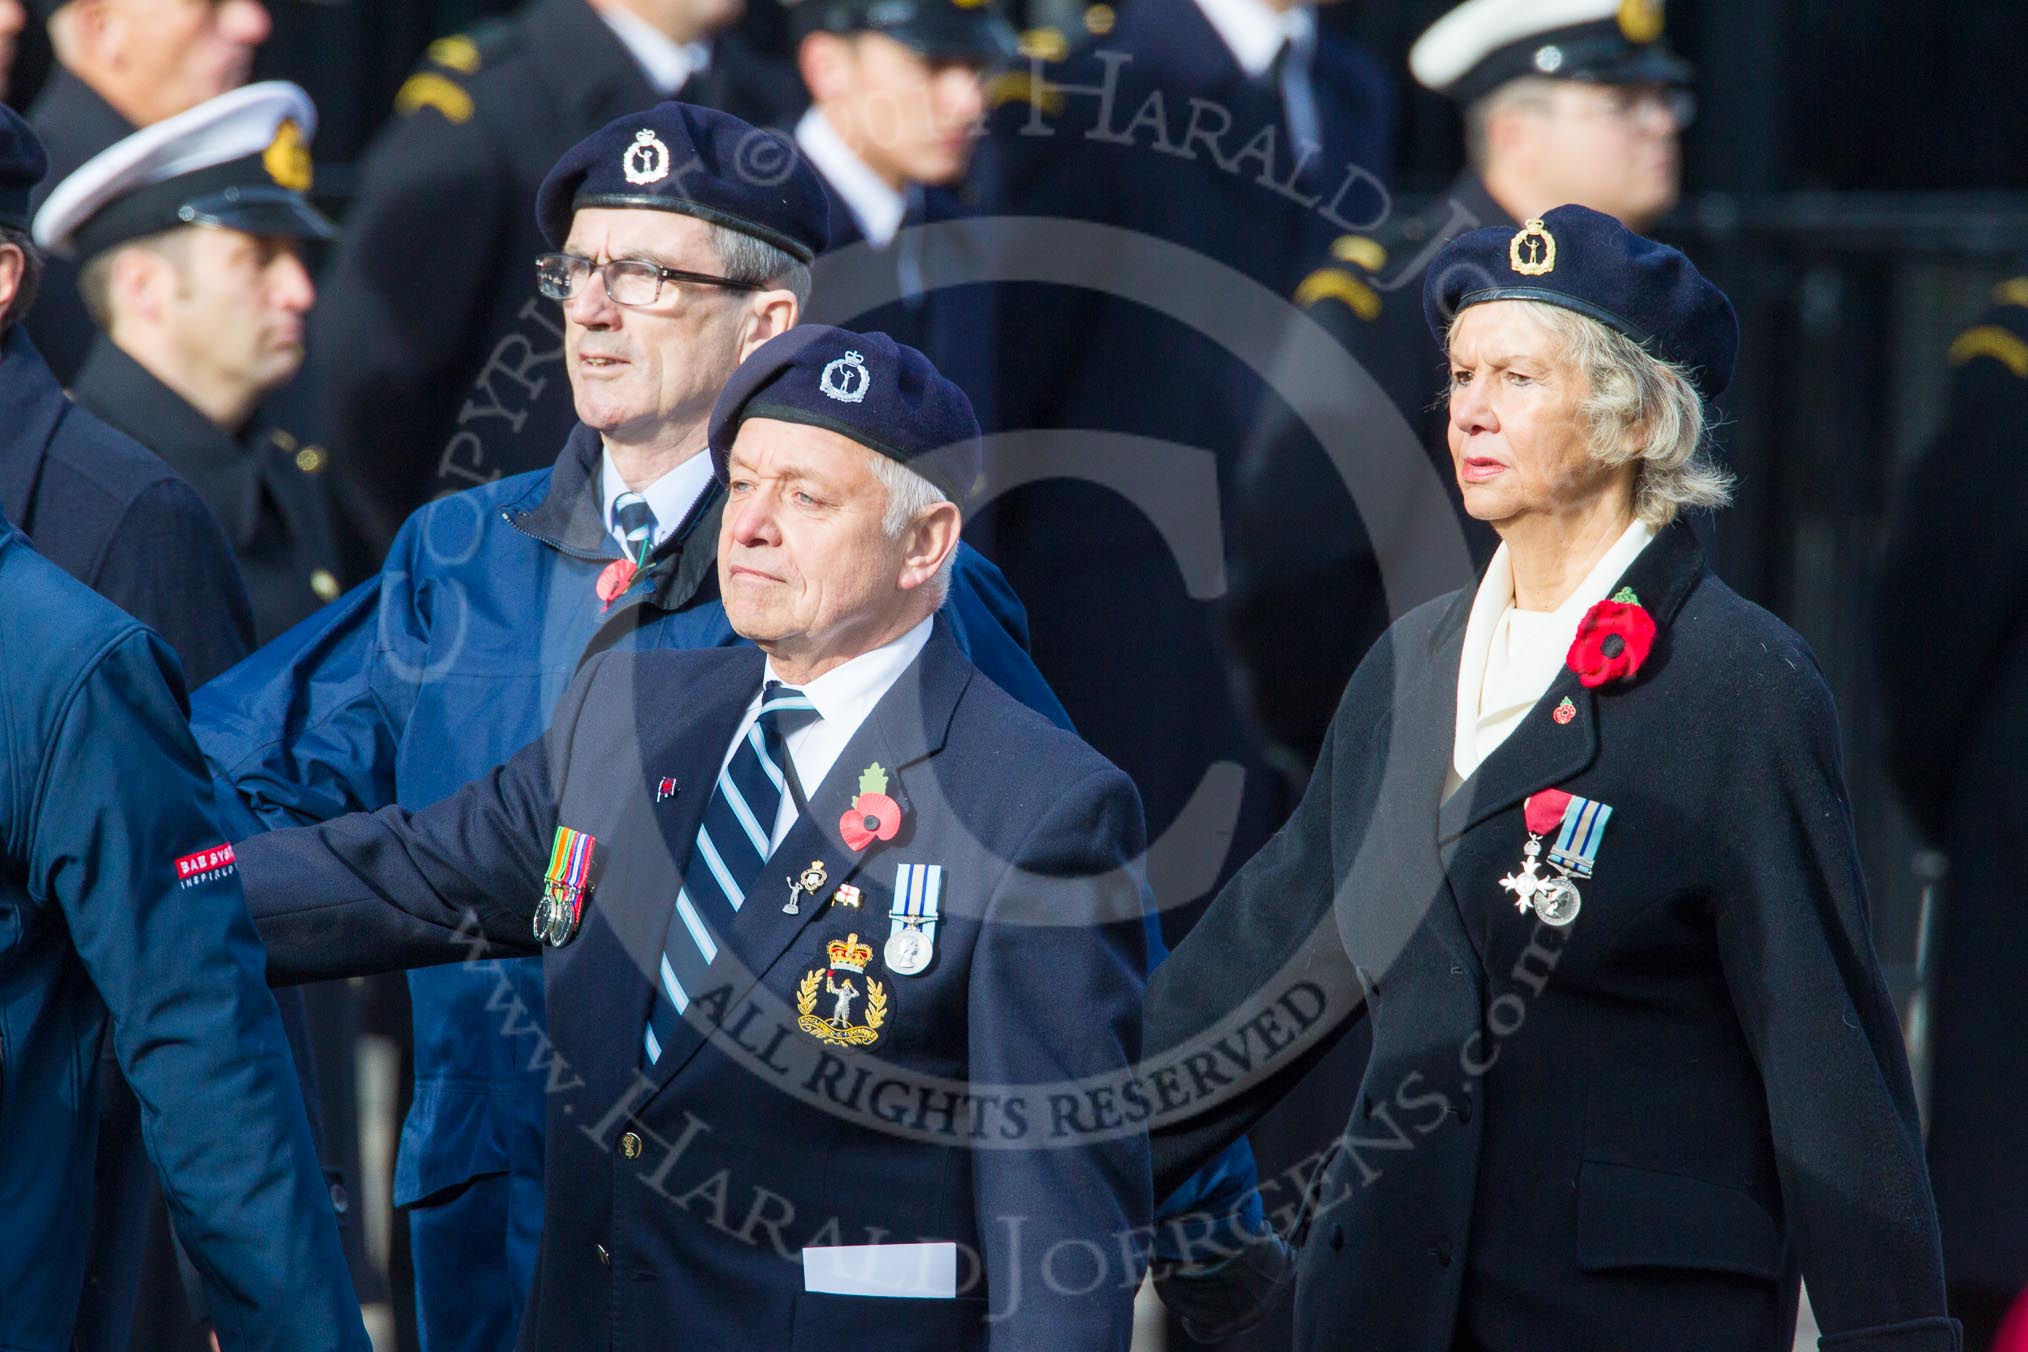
(655, 1175)
(442, 366)
(116, 909)
(274, 509)
(1628, 1133)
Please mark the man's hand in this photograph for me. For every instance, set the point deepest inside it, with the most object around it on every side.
(1230, 1293)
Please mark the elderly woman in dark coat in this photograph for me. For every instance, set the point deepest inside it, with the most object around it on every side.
(1579, 845)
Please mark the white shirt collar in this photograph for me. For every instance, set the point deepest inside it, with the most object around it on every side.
(1255, 33)
(877, 207)
(1504, 668)
(670, 497)
(667, 63)
(844, 696)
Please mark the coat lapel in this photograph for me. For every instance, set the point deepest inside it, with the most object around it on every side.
(1543, 753)
(903, 732)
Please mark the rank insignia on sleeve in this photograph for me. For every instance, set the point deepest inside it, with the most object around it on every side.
(837, 982)
(205, 865)
(565, 887)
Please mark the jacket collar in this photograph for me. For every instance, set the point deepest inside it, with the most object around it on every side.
(1542, 753)
(31, 406)
(225, 473)
(903, 732)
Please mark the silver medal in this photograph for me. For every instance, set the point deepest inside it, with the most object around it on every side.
(908, 951)
(1556, 901)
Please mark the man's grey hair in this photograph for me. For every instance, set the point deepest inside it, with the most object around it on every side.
(31, 276)
(747, 258)
(1528, 91)
(1639, 410)
(909, 495)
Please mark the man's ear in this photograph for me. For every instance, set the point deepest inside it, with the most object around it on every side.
(931, 539)
(769, 314)
(13, 267)
(822, 59)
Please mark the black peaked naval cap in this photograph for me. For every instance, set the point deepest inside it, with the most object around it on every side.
(1482, 44)
(22, 165)
(241, 160)
(694, 161)
(1586, 261)
(957, 30)
(882, 394)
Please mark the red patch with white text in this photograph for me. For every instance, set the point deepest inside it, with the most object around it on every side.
(204, 866)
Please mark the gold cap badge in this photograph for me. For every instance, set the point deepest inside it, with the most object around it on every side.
(1532, 253)
(287, 159)
(1641, 20)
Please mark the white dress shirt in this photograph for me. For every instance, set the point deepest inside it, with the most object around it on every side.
(844, 696)
(1256, 34)
(670, 497)
(667, 63)
(1511, 656)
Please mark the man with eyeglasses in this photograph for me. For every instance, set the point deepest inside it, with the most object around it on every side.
(1564, 101)
(681, 241)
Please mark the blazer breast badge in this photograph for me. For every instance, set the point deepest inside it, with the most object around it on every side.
(834, 989)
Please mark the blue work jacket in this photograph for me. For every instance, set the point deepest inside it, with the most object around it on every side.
(118, 904)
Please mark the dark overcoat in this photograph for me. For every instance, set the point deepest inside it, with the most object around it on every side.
(1035, 985)
(1629, 1132)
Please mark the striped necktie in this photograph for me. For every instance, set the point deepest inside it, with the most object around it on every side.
(636, 522)
(729, 852)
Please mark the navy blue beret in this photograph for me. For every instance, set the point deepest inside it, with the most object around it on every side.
(697, 162)
(1586, 261)
(865, 386)
(22, 165)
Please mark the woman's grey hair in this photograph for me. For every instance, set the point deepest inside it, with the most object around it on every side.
(1643, 411)
(747, 258)
(909, 495)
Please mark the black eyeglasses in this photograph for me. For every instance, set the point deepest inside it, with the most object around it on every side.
(629, 281)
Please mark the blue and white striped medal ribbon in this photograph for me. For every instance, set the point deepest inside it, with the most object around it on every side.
(1584, 824)
(911, 942)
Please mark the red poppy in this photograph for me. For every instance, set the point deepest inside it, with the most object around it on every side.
(1613, 640)
(872, 816)
(614, 581)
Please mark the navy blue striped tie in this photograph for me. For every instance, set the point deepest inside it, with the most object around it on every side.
(730, 850)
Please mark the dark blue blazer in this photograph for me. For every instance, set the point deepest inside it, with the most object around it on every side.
(680, 1196)
(117, 519)
(1630, 1132)
(102, 793)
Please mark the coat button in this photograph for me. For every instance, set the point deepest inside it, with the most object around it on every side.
(324, 584)
(1337, 1238)
(1465, 1109)
(1442, 1252)
(340, 1203)
(605, 1257)
(630, 1146)
(311, 459)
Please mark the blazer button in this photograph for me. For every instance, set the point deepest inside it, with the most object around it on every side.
(1337, 1238)
(1465, 1109)
(630, 1146)
(604, 1256)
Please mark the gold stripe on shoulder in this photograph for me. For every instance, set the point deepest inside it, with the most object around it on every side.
(457, 52)
(1019, 86)
(1360, 251)
(1339, 285)
(1990, 340)
(430, 90)
(2013, 291)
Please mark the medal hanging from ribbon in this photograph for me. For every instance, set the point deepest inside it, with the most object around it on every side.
(1579, 826)
(565, 887)
(911, 940)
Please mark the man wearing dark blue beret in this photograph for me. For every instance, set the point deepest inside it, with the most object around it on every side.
(845, 945)
(682, 238)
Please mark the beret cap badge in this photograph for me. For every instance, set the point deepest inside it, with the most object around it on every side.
(1532, 252)
(646, 160)
(846, 379)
